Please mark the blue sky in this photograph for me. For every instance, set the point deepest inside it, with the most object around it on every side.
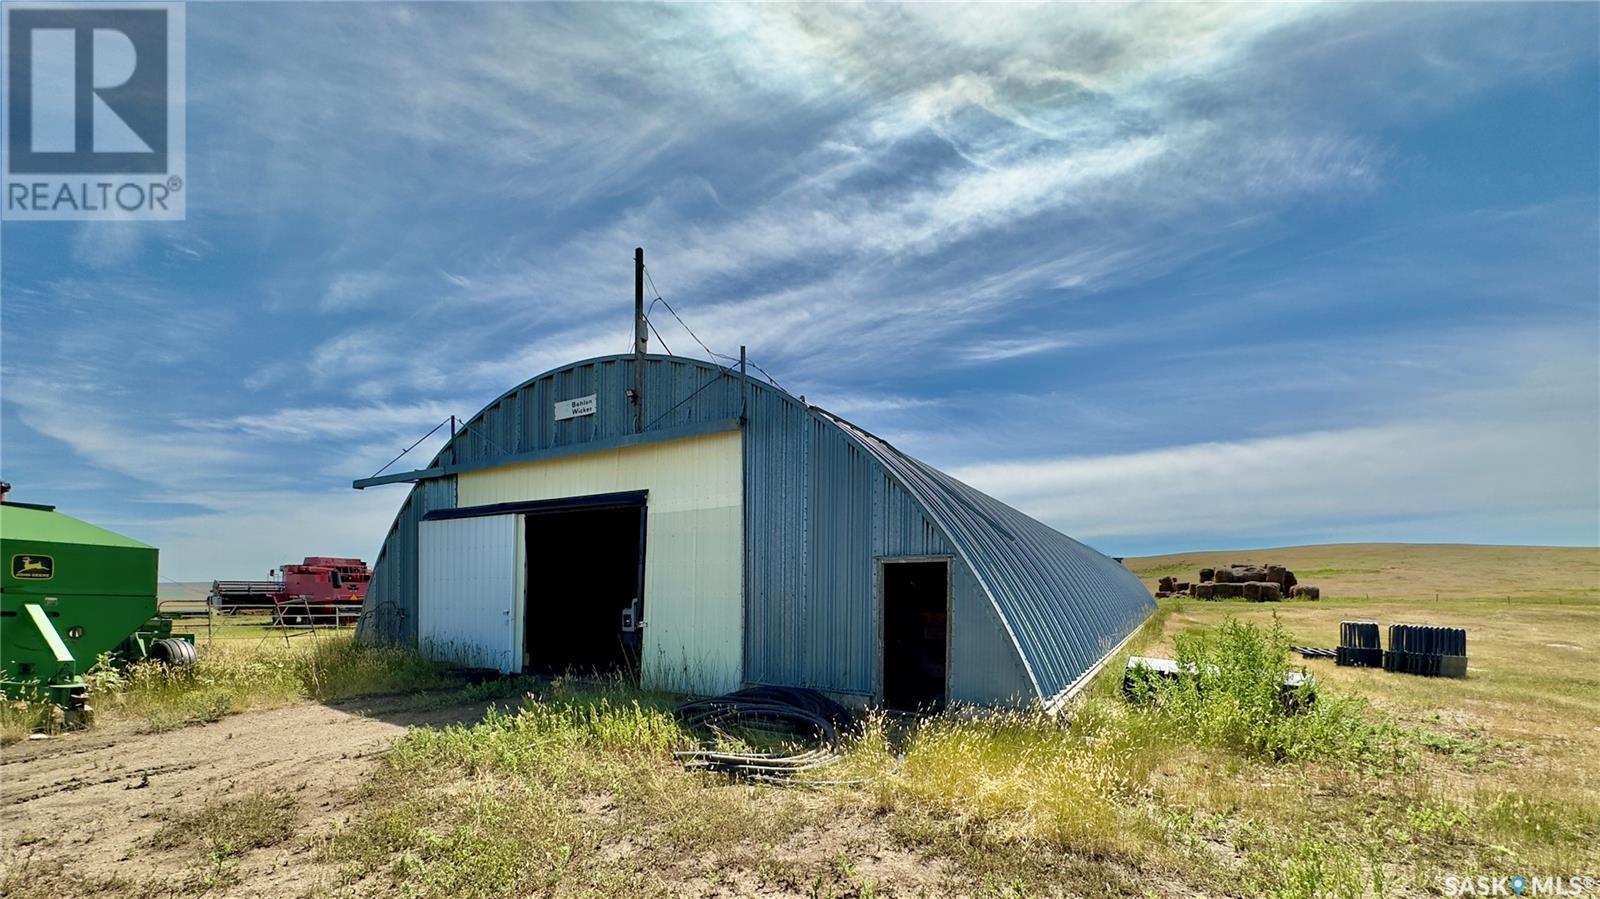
(1166, 277)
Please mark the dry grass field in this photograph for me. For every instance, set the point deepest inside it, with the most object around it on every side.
(1411, 572)
(1389, 786)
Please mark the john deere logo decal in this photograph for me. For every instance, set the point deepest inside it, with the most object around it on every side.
(33, 568)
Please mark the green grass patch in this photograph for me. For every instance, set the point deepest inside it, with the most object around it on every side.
(554, 737)
(229, 679)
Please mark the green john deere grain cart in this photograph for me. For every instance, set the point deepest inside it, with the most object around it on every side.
(70, 592)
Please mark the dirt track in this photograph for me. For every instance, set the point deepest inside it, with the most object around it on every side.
(91, 802)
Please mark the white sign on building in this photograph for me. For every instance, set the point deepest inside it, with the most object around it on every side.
(583, 405)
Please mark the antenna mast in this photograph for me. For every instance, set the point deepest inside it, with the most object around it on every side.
(641, 338)
(641, 330)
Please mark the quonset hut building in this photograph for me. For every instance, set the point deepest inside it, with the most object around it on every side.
(715, 531)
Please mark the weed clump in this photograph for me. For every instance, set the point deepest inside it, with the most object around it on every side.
(551, 736)
(1033, 778)
(1232, 696)
(229, 679)
(21, 717)
(229, 827)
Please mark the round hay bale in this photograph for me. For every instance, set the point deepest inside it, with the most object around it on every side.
(1206, 574)
(1223, 575)
(1271, 592)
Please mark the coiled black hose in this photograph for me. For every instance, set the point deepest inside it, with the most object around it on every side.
(805, 723)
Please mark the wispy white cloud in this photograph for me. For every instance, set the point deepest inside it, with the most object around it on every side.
(826, 270)
(242, 534)
(333, 422)
(1001, 348)
(1312, 481)
(234, 493)
(1054, 118)
(108, 244)
(116, 442)
(1508, 440)
(354, 290)
(851, 403)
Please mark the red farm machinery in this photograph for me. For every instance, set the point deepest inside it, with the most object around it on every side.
(319, 591)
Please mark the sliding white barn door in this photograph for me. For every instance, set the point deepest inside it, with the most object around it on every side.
(468, 596)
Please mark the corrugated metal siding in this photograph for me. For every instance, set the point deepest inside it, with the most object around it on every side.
(836, 622)
(1064, 604)
(389, 614)
(776, 498)
(694, 548)
(984, 666)
(467, 594)
(812, 608)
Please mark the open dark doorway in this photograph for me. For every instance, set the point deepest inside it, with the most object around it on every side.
(916, 603)
(585, 569)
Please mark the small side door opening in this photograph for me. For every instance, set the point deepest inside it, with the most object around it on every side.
(916, 604)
